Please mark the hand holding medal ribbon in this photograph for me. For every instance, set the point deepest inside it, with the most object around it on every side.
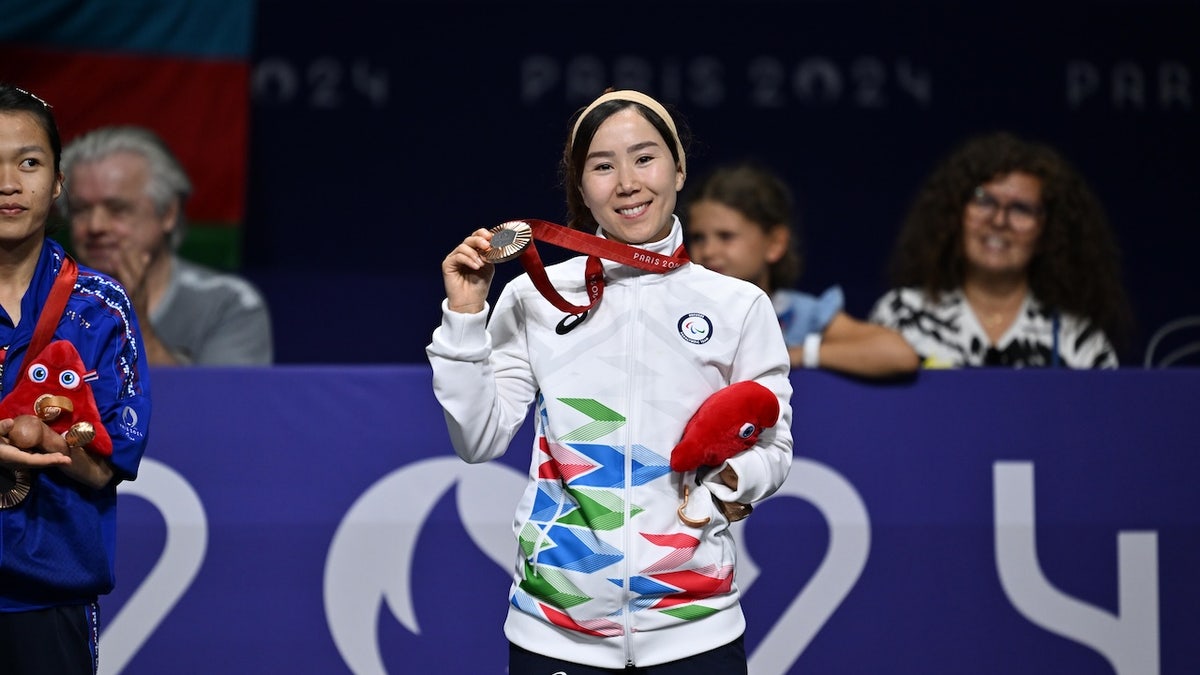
(515, 238)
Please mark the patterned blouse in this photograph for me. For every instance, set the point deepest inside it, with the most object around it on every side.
(947, 334)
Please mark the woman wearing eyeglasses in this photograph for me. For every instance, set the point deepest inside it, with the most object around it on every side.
(1006, 259)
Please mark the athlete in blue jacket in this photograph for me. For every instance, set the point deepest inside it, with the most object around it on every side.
(58, 502)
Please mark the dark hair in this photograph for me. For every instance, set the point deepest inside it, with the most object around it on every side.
(1076, 265)
(16, 99)
(765, 200)
(579, 217)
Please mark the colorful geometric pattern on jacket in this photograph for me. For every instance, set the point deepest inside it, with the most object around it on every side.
(580, 493)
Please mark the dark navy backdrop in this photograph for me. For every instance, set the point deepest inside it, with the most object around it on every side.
(379, 140)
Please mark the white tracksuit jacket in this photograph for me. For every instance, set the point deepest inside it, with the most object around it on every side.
(606, 572)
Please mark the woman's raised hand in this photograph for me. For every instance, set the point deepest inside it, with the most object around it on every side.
(467, 274)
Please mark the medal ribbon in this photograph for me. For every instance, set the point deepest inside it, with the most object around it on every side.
(596, 248)
(52, 311)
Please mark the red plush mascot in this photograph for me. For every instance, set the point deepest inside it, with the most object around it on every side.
(727, 423)
(52, 395)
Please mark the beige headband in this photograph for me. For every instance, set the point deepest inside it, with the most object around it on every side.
(636, 97)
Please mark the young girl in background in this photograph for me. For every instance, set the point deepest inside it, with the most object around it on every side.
(738, 222)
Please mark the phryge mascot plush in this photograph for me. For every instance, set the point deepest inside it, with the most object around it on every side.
(51, 396)
(728, 422)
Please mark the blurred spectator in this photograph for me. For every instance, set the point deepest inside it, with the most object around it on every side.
(738, 222)
(1006, 258)
(126, 194)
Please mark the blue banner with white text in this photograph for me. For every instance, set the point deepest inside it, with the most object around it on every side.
(377, 147)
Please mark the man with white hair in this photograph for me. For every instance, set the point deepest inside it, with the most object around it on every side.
(125, 197)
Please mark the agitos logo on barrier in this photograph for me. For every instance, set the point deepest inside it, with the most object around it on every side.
(375, 556)
(371, 560)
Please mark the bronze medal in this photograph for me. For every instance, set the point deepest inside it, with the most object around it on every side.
(14, 486)
(509, 240)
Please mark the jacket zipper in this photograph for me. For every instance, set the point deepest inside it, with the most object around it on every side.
(632, 331)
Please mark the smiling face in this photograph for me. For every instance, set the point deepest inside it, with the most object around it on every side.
(111, 210)
(630, 180)
(724, 240)
(999, 234)
(28, 182)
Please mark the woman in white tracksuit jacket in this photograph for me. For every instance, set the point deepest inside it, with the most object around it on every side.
(608, 576)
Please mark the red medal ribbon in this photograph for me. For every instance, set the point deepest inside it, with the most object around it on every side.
(596, 248)
(52, 311)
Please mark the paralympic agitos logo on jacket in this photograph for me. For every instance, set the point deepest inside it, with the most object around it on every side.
(695, 328)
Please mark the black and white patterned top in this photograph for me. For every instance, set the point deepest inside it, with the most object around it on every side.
(947, 334)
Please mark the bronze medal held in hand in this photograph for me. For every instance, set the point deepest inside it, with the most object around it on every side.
(14, 486)
(509, 240)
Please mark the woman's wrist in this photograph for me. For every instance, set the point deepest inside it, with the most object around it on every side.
(812, 350)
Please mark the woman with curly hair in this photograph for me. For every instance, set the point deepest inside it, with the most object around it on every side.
(1006, 258)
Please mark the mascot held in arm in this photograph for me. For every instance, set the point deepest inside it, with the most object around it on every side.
(51, 407)
(727, 423)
